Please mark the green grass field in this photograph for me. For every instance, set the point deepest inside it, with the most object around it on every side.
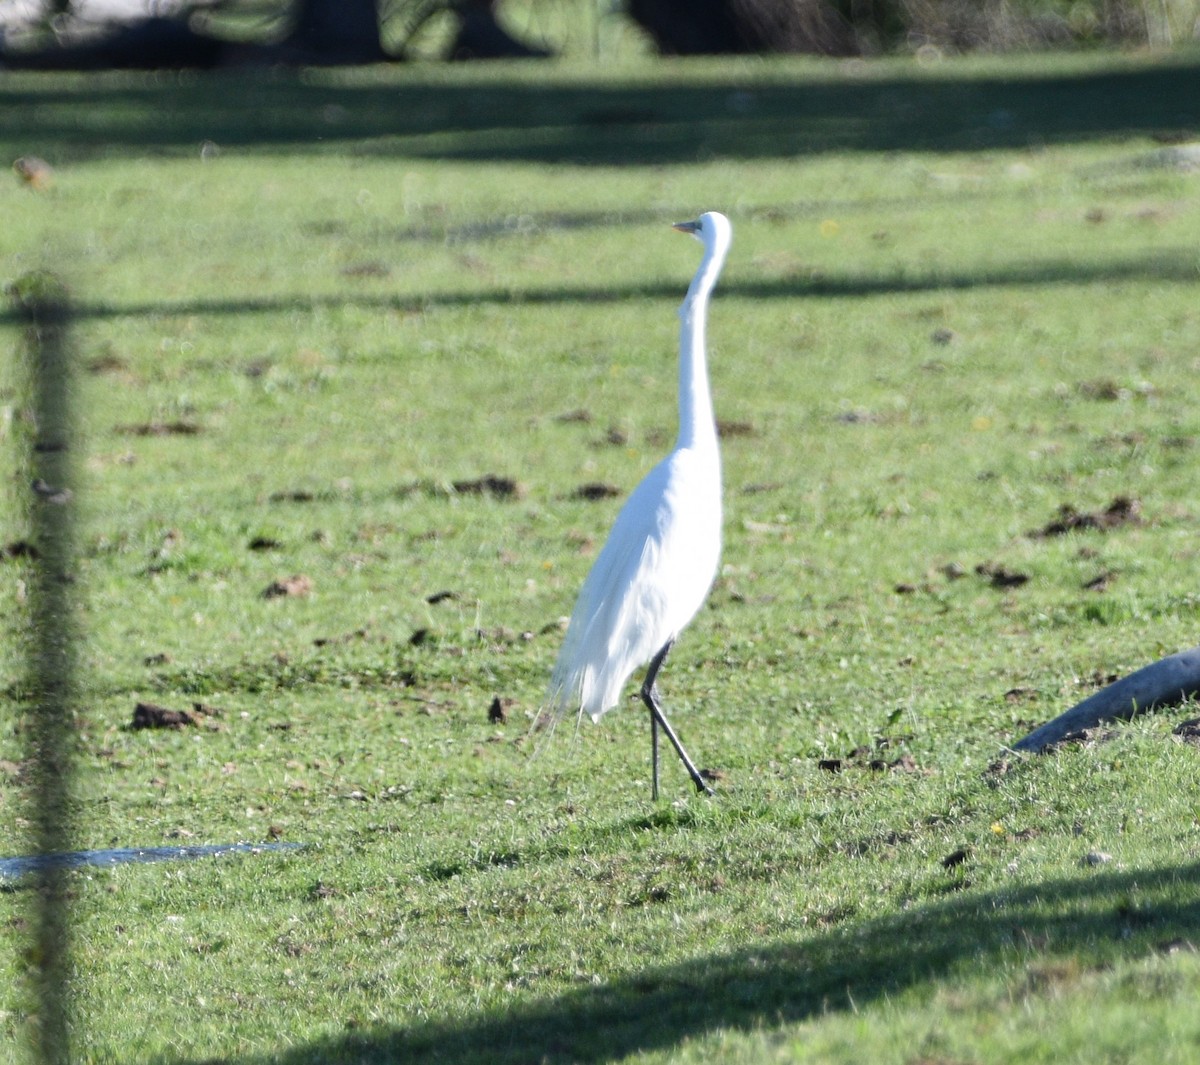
(317, 309)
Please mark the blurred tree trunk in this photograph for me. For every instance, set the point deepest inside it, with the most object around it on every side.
(320, 32)
(337, 31)
(480, 35)
(716, 27)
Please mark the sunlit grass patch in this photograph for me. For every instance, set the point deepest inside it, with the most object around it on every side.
(411, 391)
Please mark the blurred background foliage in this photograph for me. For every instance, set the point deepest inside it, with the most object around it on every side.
(608, 29)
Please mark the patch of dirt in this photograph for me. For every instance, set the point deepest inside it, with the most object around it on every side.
(149, 715)
(179, 427)
(348, 637)
(1084, 737)
(868, 756)
(830, 917)
(1001, 577)
(1121, 511)
(729, 429)
(14, 771)
(20, 549)
(295, 586)
(256, 368)
(264, 543)
(1020, 695)
(580, 415)
(956, 858)
(1100, 582)
(296, 495)
(108, 363)
(502, 636)
(1104, 389)
(999, 768)
(492, 485)
(1188, 731)
(1102, 680)
(857, 417)
(1132, 439)
(34, 172)
(595, 491)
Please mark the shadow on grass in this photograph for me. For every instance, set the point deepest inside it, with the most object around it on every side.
(701, 112)
(1166, 265)
(1027, 932)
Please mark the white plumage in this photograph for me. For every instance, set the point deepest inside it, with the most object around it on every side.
(660, 559)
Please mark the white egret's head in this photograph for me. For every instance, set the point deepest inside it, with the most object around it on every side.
(710, 228)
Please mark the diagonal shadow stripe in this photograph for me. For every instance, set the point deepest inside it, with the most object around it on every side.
(704, 112)
(1179, 265)
(845, 968)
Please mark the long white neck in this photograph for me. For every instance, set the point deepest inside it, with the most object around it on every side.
(697, 424)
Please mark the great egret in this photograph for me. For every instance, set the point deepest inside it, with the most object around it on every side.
(661, 557)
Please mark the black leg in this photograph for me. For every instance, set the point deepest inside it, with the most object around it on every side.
(653, 756)
(657, 719)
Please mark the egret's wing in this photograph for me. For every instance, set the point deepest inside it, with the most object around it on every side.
(647, 582)
(597, 655)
